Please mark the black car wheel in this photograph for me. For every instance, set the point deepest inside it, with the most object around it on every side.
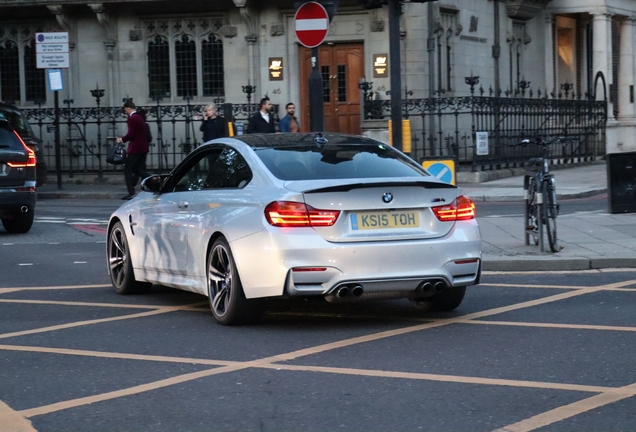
(446, 300)
(20, 223)
(225, 292)
(120, 263)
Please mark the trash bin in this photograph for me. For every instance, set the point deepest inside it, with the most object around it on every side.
(621, 182)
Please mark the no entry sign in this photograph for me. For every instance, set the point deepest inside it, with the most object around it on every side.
(312, 24)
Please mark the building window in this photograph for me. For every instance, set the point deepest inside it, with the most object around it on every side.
(212, 58)
(34, 78)
(9, 72)
(342, 83)
(185, 58)
(159, 68)
(20, 79)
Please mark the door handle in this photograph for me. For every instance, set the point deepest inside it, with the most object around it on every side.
(183, 204)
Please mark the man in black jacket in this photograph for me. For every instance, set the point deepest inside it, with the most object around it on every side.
(262, 121)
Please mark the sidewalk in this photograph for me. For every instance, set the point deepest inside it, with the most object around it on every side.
(597, 240)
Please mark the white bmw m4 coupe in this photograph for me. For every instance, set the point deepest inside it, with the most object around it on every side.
(253, 217)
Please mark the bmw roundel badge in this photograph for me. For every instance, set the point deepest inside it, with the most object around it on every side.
(387, 197)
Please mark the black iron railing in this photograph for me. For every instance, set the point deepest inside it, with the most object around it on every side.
(447, 126)
(88, 132)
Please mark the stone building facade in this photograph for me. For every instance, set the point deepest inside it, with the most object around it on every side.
(211, 51)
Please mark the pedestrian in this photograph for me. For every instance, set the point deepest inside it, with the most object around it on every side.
(138, 147)
(213, 126)
(262, 121)
(289, 123)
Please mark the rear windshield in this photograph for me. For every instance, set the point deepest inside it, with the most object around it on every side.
(8, 140)
(338, 162)
(18, 122)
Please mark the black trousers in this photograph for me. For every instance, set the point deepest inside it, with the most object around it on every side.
(134, 169)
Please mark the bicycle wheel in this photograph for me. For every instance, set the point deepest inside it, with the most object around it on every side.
(550, 211)
(532, 211)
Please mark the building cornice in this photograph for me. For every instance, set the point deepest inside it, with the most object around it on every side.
(525, 9)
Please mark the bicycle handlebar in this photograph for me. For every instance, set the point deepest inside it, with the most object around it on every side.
(538, 141)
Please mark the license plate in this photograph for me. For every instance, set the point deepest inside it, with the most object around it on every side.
(383, 220)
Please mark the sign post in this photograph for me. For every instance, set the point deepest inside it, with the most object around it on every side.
(312, 24)
(51, 53)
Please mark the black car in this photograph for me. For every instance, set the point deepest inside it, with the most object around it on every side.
(22, 126)
(17, 180)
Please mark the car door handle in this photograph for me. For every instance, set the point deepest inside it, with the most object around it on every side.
(183, 204)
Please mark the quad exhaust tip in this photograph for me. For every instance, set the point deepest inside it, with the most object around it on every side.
(431, 286)
(349, 290)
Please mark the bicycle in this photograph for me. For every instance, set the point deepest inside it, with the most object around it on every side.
(539, 190)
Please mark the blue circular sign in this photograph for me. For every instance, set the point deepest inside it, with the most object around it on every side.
(442, 172)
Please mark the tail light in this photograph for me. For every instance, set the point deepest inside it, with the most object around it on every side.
(295, 214)
(463, 208)
(30, 161)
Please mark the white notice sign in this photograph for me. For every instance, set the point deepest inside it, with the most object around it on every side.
(51, 48)
(51, 61)
(57, 37)
(481, 140)
(55, 80)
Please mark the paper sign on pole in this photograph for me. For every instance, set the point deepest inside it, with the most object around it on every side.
(56, 82)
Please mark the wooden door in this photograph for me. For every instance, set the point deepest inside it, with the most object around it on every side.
(341, 66)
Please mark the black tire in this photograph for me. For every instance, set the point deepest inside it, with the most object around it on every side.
(532, 210)
(20, 223)
(225, 292)
(446, 300)
(120, 264)
(550, 211)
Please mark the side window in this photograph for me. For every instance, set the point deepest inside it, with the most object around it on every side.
(229, 171)
(197, 172)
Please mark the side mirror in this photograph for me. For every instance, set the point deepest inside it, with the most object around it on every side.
(153, 183)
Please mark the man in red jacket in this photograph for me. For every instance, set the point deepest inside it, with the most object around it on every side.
(137, 139)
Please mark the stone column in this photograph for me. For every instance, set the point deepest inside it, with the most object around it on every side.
(252, 39)
(626, 70)
(65, 24)
(110, 43)
(549, 59)
(602, 48)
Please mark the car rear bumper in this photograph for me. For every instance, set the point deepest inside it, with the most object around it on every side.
(309, 265)
(12, 201)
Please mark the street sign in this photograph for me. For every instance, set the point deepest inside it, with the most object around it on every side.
(56, 37)
(48, 61)
(481, 142)
(311, 23)
(51, 50)
(442, 169)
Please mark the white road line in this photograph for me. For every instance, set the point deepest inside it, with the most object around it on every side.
(25, 264)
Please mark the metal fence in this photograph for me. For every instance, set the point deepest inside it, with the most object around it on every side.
(87, 133)
(447, 126)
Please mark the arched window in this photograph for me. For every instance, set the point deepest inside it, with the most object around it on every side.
(159, 68)
(186, 61)
(185, 57)
(212, 57)
(9, 72)
(34, 78)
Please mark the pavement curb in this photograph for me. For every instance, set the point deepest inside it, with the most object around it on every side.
(521, 264)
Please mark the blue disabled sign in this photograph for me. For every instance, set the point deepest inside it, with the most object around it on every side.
(443, 170)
